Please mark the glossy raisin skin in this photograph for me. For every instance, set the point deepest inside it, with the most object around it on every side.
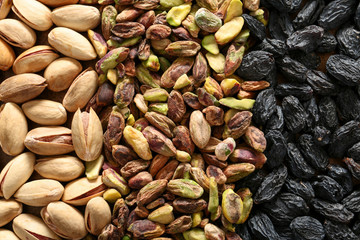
(320, 83)
(328, 189)
(309, 13)
(328, 43)
(338, 231)
(349, 41)
(261, 227)
(322, 135)
(275, 46)
(348, 104)
(344, 69)
(264, 107)
(243, 231)
(357, 17)
(292, 70)
(256, 28)
(342, 176)
(313, 115)
(309, 60)
(306, 39)
(256, 65)
(307, 228)
(285, 6)
(297, 164)
(354, 152)
(271, 185)
(332, 211)
(285, 207)
(276, 121)
(294, 114)
(300, 188)
(354, 167)
(343, 138)
(275, 148)
(352, 201)
(313, 154)
(280, 26)
(328, 114)
(300, 90)
(254, 180)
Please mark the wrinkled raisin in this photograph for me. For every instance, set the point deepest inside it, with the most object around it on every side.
(307, 228)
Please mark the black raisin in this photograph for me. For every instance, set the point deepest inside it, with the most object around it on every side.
(280, 26)
(356, 227)
(349, 41)
(320, 83)
(353, 167)
(328, 189)
(306, 40)
(256, 27)
(262, 227)
(307, 228)
(342, 176)
(275, 148)
(254, 180)
(332, 211)
(328, 114)
(300, 90)
(352, 202)
(243, 231)
(344, 69)
(310, 60)
(357, 17)
(292, 70)
(343, 138)
(285, 5)
(338, 231)
(322, 135)
(354, 152)
(256, 65)
(277, 47)
(297, 164)
(314, 154)
(294, 114)
(312, 111)
(309, 13)
(348, 104)
(276, 121)
(300, 188)
(264, 107)
(328, 43)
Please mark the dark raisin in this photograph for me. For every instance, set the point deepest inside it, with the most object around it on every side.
(354, 152)
(338, 231)
(309, 13)
(356, 227)
(276, 121)
(352, 202)
(320, 83)
(292, 70)
(243, 231)
(253, 181)
(256, 65)
(328, 114)
(271, 185)
(297, 164)
(294, 114)
(277, 47)
(344, 69)
(357, 17)
(284, 208)
(306, 39)
(280, 26)
(313, 153)
(275, 148)
(284, 232)
(342, 176)
(264, 107)
(256, 27)
(285, 5)
(348, 104)
(332, 211)
(353, 167)
(322, 135)
(310, 60)
(312, 111)
(328, 43)
(328, 189)
(343, 138)
(262, 228)
(300, 90)
(300, 188)
(307, 228)
(349, 41)
(336, 13)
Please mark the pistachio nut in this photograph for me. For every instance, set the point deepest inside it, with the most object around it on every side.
(194, 234)
(5, 7)
(248, 155)
(196, 218)
(111, 195)
(216, 62)
(207, 20)
(146, 229)
(87, 135)
(179, 225)
(65, 220)
(28, 226)
(183, 48)
(97, 215)
(13, 129)
(158, 142)
(67, 167)
(188, 206)
(217, 173)
(81, 90)
(185, 188)
(80, 191)
(163, 215)
(9, 209)
(112, 179)
(33, 13)
(140, 180)
(168, 170)
(21, 88)
(177, 14)
(235, 9)
(45, 112)
(138, 142)
(255, 138)
(232, 206)
(163, 123)
(39, 193)
(60, 73)
(77, 17)
(245, 195)
(200, 177)
(209, 43)
(213, 232)
(213, 195)
(16, 173)
(7, 234)
(58, 3)
(7, 55)
(229, 30)
(34, 59)
(108, 20)
(237, 125)
(179, 67)
(151, 191)
(71, 44)
(200, 129)
(17, 33)
(133, 167)
(235, 172)
(52, 140)
(157, 163)
(93, 168)
(225, 148)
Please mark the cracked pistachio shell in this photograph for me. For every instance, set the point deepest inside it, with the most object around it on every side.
(17, 33)
(80, 191)
(45, 112)
(97, 215)
(16, 173)
(8, 235)
(28, 226)
(33, 13)
(7, 56)
(5, 7)
(58, 3)
(39, 193)
(13, 129)
(53, 140)
(87, 135)
(77, 17)
(9, 209)
(71, 44)
(65, 220)
(61, 73)
(138, 142)
(67, 167)
(34, 59)
(81, 90)
(21, 88)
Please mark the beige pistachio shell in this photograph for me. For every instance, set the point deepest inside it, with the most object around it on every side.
(33, 13)
(77, 17)
(5, 7)
(39, 193)
(81, 90)
(45, 112)
(65, 220)
(21, 88)
(97, 215)
(58, 3)
(16, 173)
(67, 168)
(80, 191)
(8, 235)
(71, 44)
(87, 135)
(34, 59)
(49, 141)
(17, 33)
(25, 225)
(7, 56)
(61, 73)
(13, 129)
(9, 209)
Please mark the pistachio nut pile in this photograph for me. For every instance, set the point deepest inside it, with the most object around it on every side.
(151, 143)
